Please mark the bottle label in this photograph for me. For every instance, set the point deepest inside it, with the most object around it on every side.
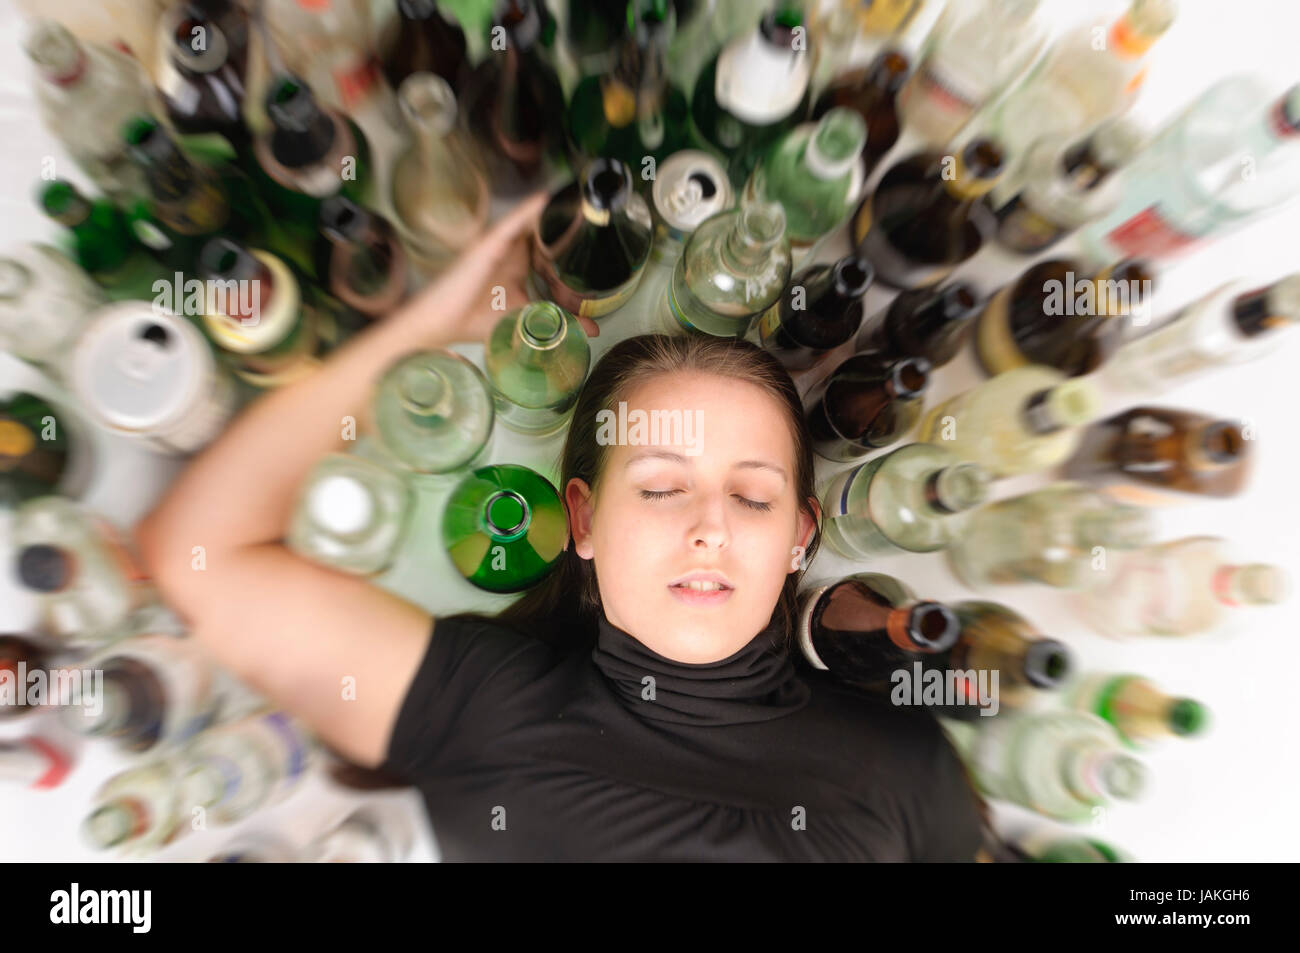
(854, 534)
(770, 323)
(943, 92)
(758, 84)
(356, 81)
(1149, 234)
(994, 345)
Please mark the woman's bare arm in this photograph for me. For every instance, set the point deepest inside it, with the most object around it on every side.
(297, 632)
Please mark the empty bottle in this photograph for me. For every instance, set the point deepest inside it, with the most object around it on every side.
(331, 45)
(913, 499)
(865, 627)
(536, 361)
(34, 448)
(363, 837)
(1140, 712)
(819, 310)
(136, 810)
(203, 72)
(45, 301)
(1061, 535)
(421, 39)
(351, 514)
(869, 401)
(433, 412)
(359, 258)
(872, 92)
(504, 528)
(928, 322)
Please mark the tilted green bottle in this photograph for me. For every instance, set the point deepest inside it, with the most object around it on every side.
(433, 412)
(504, 527)
(351, 514)
(912, 499)
(536, 360)
(1140, 712)
(33, 448)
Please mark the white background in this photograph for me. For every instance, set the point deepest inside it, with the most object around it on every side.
(1227, 796)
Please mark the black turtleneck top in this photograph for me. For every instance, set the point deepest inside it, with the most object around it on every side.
(522, 752)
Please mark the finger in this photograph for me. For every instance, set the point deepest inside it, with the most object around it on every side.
(590, 326)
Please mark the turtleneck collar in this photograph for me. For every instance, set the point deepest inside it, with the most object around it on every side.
(757, 683)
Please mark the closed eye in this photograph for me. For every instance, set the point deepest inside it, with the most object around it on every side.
(663, 494)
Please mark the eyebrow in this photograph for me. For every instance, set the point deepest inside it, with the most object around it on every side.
(678, 458)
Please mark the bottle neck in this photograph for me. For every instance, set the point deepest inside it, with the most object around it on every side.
(955, 489)
(1266, 309)
(1248, 584)
(1053, 409)
(1095, 771)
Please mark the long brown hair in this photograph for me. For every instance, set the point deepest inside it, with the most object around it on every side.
(563, 608)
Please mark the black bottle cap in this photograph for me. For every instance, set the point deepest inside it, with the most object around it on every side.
(44, 568)
(853, 276)
(1047, 663)
(933, 626)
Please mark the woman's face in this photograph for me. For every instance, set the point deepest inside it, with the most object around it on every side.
(718, 499)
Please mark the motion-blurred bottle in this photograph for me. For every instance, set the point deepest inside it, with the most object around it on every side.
(1061, 535)
(536, 360)
(755, 89)
(142, 372)
(20, 657)
(1077, 85)
(360, 259)
(242, 766)
(925, 218)
(1181, 587)
(351, 514)
(331, 45)
(632, 110)
(89, 584)
(203, 70)
(872, 92)
(929, 322)
(260, 847)
(101, 241)
(1054, 848)
(1140, 712)
(734, 268)
(440, 195)
(815, 172)
(136, 810)
(997, 639)
(1231, 155)
(1234, 324)
(592, 241)
(504, 527)
(33, 762)
(976, 51)
(869, 401)
(365, 836)
(865, 627)
(1166, 449)
(819, 310)
(1057, 315)
(433, 412)
(1061, 764)
(422, 39)
(34, 448)
(913, 499)
(157, 693)
(45, 301)
(1067, 186)
(85, 94)
(1021, 421)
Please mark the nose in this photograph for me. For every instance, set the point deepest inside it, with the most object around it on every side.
(710, 530)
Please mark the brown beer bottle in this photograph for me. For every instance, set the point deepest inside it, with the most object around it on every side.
(869, 401)
(928, 322)
(1166, 448)
(925, 217)
(872, 92)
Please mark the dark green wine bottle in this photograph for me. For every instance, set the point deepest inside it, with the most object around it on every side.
(504, 527)
(33, 448)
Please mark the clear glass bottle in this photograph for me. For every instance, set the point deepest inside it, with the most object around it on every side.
(1068, 185)
(89, 583)
(733, 269)
(1182, 587)
(1234, 324)
(137, 810)
(592, 241)
(867, 626)
(536, 360)
(504, 528)
(1064, 535)
(1061, 764)
(914, 499)
(1141, 713)
(363, 837)
(1022, 421)
(433, 412)
(1160, 448)
(1076, 86)
(359, 258)
(815, 172)
(869, 401)
(928, 322)
(85, 94)
(331, 45)
(971, 57)
(819, 310)
(351, 514)
(440, 194)
(45, 302)
(1232, 154)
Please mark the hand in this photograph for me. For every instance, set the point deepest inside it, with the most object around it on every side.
(458, 306)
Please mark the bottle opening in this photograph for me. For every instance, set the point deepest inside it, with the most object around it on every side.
(840, 136)
(220, 257)
(44, 568)
(1123, 777)
(959, 300)
(427, 99)
(342, 504)
(934, 626)
(708, 188)
(542, 321)
(910, 376)
(853, 276)
(1222, 441)
(763, 223)
(341, 217)
(506, 513)
(421, 389)
(63, 203)
(14, 278)
(1047, 663)
(961, 487)
(606, 184)
(983, 158)
(156, 334)
(1187, 717)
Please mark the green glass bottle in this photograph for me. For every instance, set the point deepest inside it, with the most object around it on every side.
(733, 269)
(536, 360)
(100, 240)
(504, 528)
(433, 412)
(1141, 712)
(815, 172)
(633, 111)
(33, 448)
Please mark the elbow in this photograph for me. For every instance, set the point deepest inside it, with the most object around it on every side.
(170, 559)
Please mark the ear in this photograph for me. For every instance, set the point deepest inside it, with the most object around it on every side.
(807, 527)
(577, 499)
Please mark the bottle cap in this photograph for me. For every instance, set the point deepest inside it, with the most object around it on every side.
(1187, 717)
(45, 568)
(341, 504)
